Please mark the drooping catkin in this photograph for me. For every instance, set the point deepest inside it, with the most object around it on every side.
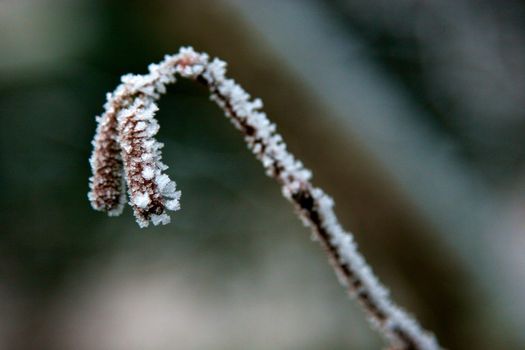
(107, 183)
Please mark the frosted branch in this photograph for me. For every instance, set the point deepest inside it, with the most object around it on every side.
(128, 126)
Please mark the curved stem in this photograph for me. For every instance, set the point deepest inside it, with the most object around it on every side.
(134, 101)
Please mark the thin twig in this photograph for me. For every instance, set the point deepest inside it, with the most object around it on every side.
(152, 193)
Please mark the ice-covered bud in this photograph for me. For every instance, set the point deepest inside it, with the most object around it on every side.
(142, 163)
(107, 191)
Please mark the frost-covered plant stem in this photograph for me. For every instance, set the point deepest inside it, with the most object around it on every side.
(130, 117)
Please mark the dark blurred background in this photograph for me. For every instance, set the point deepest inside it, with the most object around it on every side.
(409, 112)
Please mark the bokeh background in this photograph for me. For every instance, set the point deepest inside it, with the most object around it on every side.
(409, 112)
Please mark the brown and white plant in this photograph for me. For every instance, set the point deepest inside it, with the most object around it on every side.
(126, 155)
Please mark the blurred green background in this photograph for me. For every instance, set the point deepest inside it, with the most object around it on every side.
(410, 113)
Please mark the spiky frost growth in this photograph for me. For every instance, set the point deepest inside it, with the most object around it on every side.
(134, 99)
(151, 192)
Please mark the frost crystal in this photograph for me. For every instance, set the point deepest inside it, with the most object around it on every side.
(141, 200)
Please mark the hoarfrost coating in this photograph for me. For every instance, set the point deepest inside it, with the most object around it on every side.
(125, 146)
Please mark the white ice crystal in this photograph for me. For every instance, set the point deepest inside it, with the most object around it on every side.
(148, 173)
(141, 200)
(160, 219)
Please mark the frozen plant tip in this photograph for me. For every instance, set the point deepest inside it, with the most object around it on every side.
(126, 154)
(106, 185)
